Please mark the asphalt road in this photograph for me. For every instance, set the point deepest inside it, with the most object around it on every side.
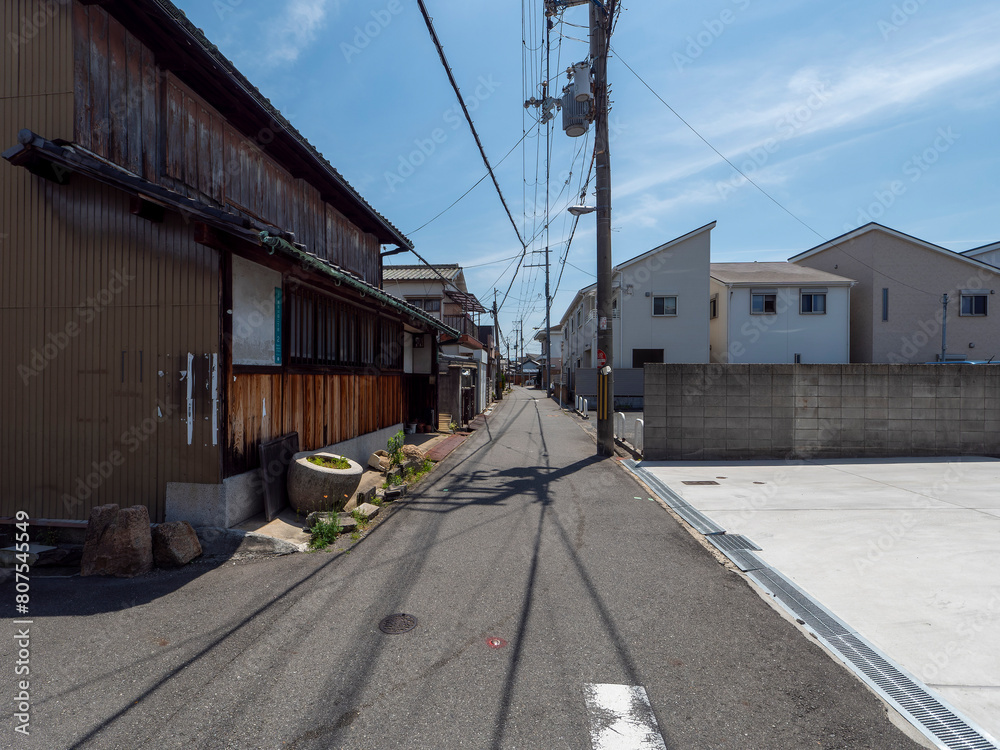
(522, 535)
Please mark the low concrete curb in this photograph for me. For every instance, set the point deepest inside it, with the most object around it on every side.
(236, 544)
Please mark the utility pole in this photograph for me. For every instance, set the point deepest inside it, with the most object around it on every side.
(497, 376)
(600, 19)
(944, 328)
(548, 167)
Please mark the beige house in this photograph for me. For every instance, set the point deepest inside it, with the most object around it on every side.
(898, 309)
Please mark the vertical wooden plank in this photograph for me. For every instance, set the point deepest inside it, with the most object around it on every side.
(190, 142)
(99, 80)
(176, 120)
(133, 104)
(82, 105)
(117, 86)
(150, 121)
(202, 149)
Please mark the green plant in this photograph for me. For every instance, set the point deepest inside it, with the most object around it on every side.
(395, 448)
(360, 519)
(355, 536)
(453, 426)
(51, 537)
(324, 533)
(328, 462)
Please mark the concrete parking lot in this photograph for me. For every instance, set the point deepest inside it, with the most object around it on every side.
(907, 551)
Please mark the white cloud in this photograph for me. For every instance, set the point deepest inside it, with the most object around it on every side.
(295, 28)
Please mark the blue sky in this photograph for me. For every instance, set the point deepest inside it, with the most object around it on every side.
(843, 113)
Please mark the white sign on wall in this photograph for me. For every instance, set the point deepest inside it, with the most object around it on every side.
(256, 314)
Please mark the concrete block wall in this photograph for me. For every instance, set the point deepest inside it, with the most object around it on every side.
(759, 411)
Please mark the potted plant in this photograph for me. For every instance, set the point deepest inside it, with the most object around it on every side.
(321, 480)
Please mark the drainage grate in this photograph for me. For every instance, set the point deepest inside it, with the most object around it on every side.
(742, 558)
(679, 505)
(935, 718)
(396, 624)
(701, 482)
(814, 614)
(733, 541)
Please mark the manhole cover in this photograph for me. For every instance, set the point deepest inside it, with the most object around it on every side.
(396, 624)
(496, 642)
(702, 482)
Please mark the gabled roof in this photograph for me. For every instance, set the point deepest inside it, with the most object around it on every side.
(666, 246)
(450, 271)
(875, 227)
(977, 251)
(773, 274)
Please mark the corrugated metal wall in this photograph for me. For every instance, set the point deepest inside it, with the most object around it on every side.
(99, 311)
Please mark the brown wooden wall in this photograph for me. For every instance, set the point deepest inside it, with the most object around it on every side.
(186, 144)
(323, 408)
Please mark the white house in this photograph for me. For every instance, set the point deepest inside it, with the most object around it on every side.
(778, 313)
(555, 361)
(660, 313)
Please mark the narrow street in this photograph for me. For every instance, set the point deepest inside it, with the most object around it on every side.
(534, 569)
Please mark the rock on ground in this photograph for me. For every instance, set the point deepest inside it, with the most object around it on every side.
(414, 453)
(118, 543)
(175, 544)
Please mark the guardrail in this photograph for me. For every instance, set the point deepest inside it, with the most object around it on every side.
(637, 436)
(619, 426)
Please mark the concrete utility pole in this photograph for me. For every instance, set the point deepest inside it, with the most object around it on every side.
(944, 328)
(600, 20)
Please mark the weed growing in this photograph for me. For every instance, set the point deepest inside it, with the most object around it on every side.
(324, 533)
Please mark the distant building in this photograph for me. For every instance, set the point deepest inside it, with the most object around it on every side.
(896, 305)
(659, 314)
(778, 313)
(466, 378)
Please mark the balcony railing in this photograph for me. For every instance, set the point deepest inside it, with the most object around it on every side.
(463, 324)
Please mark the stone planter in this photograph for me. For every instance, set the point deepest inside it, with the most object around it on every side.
(312, 487)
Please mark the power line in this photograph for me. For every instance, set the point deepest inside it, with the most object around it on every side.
(468, 117)
(719, 153)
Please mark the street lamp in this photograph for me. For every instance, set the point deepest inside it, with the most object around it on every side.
(581, 210)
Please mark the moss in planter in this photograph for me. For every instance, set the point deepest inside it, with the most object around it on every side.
(330, 463)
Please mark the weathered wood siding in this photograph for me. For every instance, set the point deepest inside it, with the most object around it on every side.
(129, 110)
(323, 408)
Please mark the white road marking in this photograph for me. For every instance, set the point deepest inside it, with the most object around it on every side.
(621, 718)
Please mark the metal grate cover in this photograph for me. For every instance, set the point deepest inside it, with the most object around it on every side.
(679, 505)
(733, 542)
(700, 482)
(935, 718)
(811, 612)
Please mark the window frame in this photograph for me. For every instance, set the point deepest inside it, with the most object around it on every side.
(713, 306)
(664, 297)
(764, 294)
(812, 294)
(971, 296)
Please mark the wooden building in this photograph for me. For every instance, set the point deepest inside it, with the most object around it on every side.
(181, 275)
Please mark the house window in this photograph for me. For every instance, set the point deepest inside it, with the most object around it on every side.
(763, 303)
(323, 331)
(578, 314)
(812, 302)
(665, 306)
(973, 304)
(641, 357)
(713, 306)
(885, 304)
(430, 304)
